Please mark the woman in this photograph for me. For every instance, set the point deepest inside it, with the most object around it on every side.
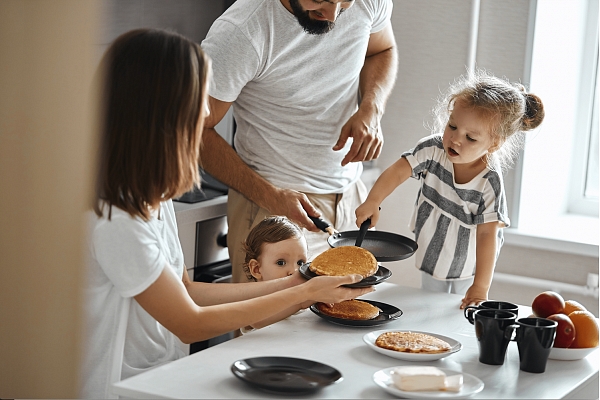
(140, 302)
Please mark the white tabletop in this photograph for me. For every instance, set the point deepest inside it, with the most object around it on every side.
(207, 374)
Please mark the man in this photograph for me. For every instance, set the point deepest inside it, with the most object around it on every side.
(296, 72)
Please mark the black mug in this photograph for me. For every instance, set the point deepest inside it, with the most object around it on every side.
(493, 337)
(490, 305)
(535, 337)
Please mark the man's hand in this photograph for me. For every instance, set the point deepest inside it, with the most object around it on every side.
(295, 206)
(364, 128)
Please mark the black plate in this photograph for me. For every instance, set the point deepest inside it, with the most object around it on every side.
(285, 374)
(385, 246)
(388, 313)
(381, 275)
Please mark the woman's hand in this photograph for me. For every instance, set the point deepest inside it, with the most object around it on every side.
(329, 289)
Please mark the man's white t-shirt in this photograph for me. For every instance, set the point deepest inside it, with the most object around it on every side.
(126, 255)
(292, 91)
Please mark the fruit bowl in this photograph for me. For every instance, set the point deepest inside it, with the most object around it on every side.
(570, 354)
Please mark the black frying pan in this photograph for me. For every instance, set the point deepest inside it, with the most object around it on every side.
(385, 246)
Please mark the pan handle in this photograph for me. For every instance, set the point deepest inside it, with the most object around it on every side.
(321, 224)
(362, 232)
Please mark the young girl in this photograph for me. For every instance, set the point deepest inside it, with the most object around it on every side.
(275, 248)
(140, 302)
(461, 206)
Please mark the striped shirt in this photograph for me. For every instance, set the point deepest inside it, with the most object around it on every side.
(447, 213)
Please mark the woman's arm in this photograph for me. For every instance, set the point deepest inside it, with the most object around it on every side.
(168, 301)
(208, 294)
(388, 181)
(205, 294)
(486, 246)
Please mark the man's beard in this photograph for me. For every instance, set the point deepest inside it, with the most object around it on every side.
(312, 26)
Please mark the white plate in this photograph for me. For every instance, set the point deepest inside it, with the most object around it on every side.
(471, 385)
(371, 337)
(570, 354)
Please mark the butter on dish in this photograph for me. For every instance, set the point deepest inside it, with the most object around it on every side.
(417, 378)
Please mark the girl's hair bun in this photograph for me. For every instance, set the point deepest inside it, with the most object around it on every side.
(534, 112)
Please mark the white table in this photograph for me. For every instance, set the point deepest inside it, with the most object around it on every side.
(207, 374)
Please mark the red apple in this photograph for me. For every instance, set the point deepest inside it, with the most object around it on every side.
(547, 303)
(565, 331)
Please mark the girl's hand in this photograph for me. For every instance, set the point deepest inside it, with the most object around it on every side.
(368, 209)
(474, 296)
(329, 289)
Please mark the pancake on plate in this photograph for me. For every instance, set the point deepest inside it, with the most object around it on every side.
(344, 260)
(350, 309)
(412, 342)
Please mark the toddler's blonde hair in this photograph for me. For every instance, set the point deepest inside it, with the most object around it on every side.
(510, 110)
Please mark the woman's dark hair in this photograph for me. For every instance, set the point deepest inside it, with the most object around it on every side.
(153, 88)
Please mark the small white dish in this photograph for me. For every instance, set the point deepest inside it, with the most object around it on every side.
(471, 385)
(371, 337)
(570, 354)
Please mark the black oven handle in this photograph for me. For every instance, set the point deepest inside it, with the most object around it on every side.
(222, 240)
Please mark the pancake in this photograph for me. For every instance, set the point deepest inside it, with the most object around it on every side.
(350, 309)
(344, 260)
(412, 342)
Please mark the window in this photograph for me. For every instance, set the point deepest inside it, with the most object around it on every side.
(559, 183)
(591, 184)
(583, 197)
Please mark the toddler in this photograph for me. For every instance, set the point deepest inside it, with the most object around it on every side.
(461, 206)
(274, 248)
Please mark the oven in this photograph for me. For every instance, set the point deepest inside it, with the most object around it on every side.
(211, 265)
(202, 229)
(202, 224)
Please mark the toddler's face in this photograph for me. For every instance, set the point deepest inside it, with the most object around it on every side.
(467, 136)
(278, 260)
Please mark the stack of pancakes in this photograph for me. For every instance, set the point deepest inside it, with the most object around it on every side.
(350, 309)
(344, 260)
(412, 342)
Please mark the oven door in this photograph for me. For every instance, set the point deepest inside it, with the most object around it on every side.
(211, 265)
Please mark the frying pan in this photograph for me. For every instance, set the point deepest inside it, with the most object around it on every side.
(385, 246)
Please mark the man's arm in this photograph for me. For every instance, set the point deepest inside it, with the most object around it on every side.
(220, 160)
(377, 79)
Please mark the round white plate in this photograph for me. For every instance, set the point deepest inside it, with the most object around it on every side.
(370, 338)
(471, 385)
(570, 354)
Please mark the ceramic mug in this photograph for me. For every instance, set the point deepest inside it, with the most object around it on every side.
(493, 337)
(490, 305)
(534, 337)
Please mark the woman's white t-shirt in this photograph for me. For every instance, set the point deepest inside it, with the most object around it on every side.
(126, 255)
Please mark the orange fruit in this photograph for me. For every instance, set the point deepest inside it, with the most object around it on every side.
(572, 305)
(586, 329)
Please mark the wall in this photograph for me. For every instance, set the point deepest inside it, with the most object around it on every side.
(46, 138)
(191, 18)
(432, 44)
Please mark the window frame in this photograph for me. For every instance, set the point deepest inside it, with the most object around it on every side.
(587, 120)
